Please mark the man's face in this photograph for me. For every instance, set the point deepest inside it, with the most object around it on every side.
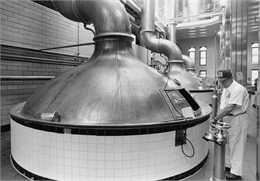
(225, 83)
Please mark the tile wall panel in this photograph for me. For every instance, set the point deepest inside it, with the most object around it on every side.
(66, 156)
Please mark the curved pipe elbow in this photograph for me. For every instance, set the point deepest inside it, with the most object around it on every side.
(65, 9)
(171, 49)
(166, 47)
(107, 16)
(189, 64)
(149, 40)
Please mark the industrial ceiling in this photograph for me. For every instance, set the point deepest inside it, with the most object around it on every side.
(192, 29)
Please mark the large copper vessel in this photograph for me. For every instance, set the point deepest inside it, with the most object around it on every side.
(113, 87)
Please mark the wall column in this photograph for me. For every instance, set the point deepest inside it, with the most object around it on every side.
(239, 36)
(258, 117)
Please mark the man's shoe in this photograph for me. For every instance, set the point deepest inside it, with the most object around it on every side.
(227, 169)
(232, 176)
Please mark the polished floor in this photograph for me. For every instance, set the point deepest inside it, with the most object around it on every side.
(9, 173)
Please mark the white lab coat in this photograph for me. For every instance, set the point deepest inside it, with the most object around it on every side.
(238, 95)
(236, 142)
(256, 99)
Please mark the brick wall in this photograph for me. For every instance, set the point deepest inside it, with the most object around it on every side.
(23, 71)
(28, 24)
(27, 27)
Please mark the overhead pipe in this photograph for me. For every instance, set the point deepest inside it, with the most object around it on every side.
(189, 63)
(175, 69)
(149, 39)
(171, 28)
(132, 4)
(171, 35)
(136, 7)
(171, 32)
(190, 67)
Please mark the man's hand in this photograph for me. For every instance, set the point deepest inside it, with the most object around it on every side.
(213, 121)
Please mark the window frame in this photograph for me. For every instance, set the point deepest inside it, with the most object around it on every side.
(254, 48)
(203, 49)
(253, 77)
(192, 50)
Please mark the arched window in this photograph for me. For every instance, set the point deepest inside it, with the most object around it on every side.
(203, 56)
(192, 53)
(254, 53)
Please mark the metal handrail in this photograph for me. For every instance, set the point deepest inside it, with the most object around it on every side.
(39, 60)
(11, 77)
(68, 46)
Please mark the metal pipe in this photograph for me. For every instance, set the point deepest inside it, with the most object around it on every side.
(215, 94)
(219, 135)
(214, 104)
(90, 29)
(175, 69)
(171, 30)
(189, 63)
(137, 9)
(69, 46)
(148, 37)
(133, 5)
(219, 162)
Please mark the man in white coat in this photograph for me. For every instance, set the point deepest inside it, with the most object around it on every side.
(233, 105)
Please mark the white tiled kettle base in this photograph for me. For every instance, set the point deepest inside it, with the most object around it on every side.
(85, 157)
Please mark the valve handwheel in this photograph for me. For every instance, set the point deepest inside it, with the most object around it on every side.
(220, 125)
